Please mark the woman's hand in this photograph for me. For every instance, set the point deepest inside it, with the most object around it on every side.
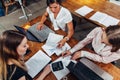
(66, 53)
(76, 55)
(40, 26)
(45, 72)
(61, 43)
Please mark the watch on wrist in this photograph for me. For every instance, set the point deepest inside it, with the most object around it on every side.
(67, 38)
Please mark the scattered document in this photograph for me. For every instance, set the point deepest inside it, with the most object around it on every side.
(104, 19)
(58, 51)
(37, 62)
(62, 73)
(84, 10)
(51, 50)
(53, 39)
(110, 21)
(98, 16)
(52, 42)
(50, 47)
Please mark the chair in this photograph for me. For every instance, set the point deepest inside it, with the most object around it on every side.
(8, 3)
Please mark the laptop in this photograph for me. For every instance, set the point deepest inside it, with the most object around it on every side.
(27, 33)
(35, 35)
(87, 70)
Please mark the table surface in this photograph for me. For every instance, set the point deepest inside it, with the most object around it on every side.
(98, 5)
(35, 46)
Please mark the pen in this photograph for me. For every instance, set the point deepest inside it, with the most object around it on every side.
(64, 52)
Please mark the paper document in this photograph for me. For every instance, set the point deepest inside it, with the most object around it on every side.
(53, 39)
(58, 51)
(52, 42)
(62, 73)
(84, 10)
(104, 19)
(98, 16)
(110, 21)
(36, 63)
(51, 50)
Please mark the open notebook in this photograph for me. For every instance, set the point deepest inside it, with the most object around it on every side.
(36, 63)
(35, 35)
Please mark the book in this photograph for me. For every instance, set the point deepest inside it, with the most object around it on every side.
(84, 10)
(104, 19)
(35, 35)
(50, 47)
(37, 62)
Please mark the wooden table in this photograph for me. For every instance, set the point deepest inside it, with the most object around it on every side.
(98, 5)
(35, 46)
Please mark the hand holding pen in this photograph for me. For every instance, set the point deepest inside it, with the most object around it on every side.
(66, 53)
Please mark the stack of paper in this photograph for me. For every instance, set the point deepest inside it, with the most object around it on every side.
(84, 10)
(50, 47)
(36, 63)
(104, 19)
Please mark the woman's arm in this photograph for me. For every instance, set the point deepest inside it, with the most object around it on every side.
(69, 35)
(88, 39)
(22, 78)
(70, 30)
(45, 72)
(113, 56)
(43, 19)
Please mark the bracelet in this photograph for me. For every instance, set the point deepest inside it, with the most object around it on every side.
(67, 38)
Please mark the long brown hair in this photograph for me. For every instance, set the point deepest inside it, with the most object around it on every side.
(113, 34)
(9, 41)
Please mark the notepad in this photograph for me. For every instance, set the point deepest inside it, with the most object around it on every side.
(104, 19)
(84, 10)
(37, 62)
